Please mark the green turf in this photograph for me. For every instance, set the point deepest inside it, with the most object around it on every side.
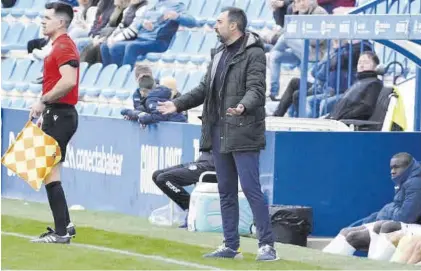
(126, 224)
(132, 243)
(18, 253)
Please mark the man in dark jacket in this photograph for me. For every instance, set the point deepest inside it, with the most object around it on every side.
(405, 208)
(360, 99)
(171, 180)
(233, 96)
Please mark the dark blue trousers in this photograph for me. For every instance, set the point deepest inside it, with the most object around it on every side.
(230, 166)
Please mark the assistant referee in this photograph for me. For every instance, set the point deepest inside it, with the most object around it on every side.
(56, 112)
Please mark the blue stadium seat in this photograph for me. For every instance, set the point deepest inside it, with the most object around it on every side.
(178, 46)
(196, 7)
(79, 107)
(118, 82)
(116, 112)
(243, 4)
(90, 78)
(89, 109)
(104, 80)
(208, 13)
(181, 76)
(128, 88)
(166, 72)
(156, 70)
(12, 37)
(265, 18)
(82, 70)
(34, 72)
(7, 67)
(193, 81)
(4, 29)
(255, 9)
(186, 3)
(18, 9)
(36, 9)
(18, 74)
(5, 102)
(103, 110)
(31, 32)
(225, 3)
(416, 7)
(18, 103)
(203, 55)
(195, 42)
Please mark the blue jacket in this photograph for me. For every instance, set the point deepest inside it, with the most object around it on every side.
(406, 205)
(163, 30)
(159, 94)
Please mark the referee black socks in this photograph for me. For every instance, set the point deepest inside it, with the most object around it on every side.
(58, 206)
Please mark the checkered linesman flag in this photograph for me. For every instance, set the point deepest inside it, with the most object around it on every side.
(33, 155)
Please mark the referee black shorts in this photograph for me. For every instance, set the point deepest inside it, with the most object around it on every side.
(60, 121)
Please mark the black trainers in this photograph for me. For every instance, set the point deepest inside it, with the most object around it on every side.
(71, 230)
(52, 237)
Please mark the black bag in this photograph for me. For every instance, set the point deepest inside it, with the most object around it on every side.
(291, 224)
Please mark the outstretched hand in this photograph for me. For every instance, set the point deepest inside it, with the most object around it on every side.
(166, 107)
(236, 111)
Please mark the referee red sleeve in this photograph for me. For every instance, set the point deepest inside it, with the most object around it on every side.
(65, 53)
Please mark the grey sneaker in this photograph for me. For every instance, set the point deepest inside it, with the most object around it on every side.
(224, 252)
(266, 253)
(52, 238)
(71, 230)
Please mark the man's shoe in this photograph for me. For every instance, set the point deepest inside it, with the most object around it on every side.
(185, 223)
(224, 252)
(52, 238)
(71, 230)
(266, 253)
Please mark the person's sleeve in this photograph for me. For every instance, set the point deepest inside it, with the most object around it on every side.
(255, 82)
(187, 20)
(65, 54)
(130, 32)
(410, 210)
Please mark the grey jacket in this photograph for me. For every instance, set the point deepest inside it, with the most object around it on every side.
(245, 84)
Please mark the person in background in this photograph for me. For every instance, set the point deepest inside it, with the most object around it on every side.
(172, 180)
(151, 33)
(405, 207)
(290, 50)
(360, 99)
(152, 95)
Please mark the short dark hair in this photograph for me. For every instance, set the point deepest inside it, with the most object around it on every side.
(146, 82)
(142, 70)
(61, 8)
(237, 15)
(372, 56)
(406, 158)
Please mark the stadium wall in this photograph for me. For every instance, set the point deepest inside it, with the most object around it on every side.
(109, 165)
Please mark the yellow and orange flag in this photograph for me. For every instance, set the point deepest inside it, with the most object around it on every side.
(33, 155)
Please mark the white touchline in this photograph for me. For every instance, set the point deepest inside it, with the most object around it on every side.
(125, 252)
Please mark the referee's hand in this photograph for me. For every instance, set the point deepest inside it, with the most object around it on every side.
(36, 110)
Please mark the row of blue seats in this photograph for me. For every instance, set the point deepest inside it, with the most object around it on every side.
(15, 36)
(109, 81)
(258, 11)
(93, 109)
(29, 8)
(193, 46)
